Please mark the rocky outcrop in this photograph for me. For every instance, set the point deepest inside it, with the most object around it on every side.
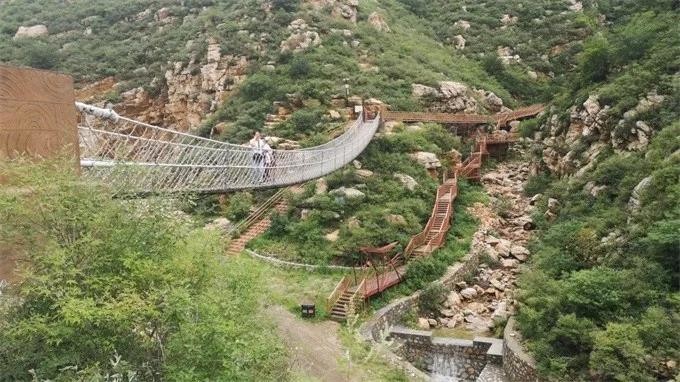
(32, 31)
(302, 37)
(192, 90)
(592, 123)
(507, 56)
(426, 159)
(634, 202)
(345, 9)
(377, 21)
(456, 97)
(406, 180)
(640, 132)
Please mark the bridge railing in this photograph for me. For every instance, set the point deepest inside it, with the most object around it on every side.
(138, 157)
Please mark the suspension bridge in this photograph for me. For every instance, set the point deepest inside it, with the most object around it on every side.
(39, 116)
(138, 157)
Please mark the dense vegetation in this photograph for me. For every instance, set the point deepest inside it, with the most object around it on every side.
(604, 291)
(119, 291)
(601, 300)
(295, 238)
(603, 297)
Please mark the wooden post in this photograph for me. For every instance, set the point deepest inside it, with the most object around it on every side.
(37, 114)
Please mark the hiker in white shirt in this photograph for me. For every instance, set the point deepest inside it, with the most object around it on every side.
(260, 151)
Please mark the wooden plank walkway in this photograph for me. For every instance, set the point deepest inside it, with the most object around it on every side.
(377, 284)
(463, 118)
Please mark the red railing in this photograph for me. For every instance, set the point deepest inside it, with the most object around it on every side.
(500, 119)
(437, 241)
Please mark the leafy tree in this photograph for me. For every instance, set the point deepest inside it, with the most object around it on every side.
(239, 206)
(618, 354)
(595, 59)
(111, 287)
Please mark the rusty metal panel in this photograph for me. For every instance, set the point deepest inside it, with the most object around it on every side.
(37, 114)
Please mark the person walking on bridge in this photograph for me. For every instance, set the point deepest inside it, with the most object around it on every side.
(259, 147)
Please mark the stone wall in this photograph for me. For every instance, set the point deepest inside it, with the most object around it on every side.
(518, 365)
(378, 327)
(293, 265)
(462, 359)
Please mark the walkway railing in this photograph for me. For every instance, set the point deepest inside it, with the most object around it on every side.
(133, 156)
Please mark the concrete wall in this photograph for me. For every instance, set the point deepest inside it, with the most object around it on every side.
(517, 364)
(378, 327)
(463, 359)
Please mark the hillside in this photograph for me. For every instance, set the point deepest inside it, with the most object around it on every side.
(600, 298)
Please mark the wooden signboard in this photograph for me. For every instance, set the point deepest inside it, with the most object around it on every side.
(37, 114)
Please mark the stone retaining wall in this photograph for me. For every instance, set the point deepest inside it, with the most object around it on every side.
(518, 365)
(383, 320)
(462, 359)
(289, 264)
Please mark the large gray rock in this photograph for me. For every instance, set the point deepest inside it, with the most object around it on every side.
(451, 89)
(592, 105)
(406, 180)
(427, 159)
(501, 313)
(364, 174)
(347, 192)
(469, 293)
(418, 91)
(634, 201)
(32, 31)
(453, 299)
(495, 102)
(518, 252)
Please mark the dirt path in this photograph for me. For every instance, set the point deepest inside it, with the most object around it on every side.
(316, 350)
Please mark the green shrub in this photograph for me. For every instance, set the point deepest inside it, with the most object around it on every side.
(239, 206)
(431, 298)
(537, 184)
(595, 59)
(110, 287)
(618, 354)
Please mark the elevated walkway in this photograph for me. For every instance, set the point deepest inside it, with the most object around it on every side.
(499, 119)
(352, 291)
(133, 156)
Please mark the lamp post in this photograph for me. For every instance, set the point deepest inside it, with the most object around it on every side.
(346, 81)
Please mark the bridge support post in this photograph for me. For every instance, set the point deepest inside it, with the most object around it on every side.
(37, 114)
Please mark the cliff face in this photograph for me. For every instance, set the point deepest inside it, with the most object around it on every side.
(189, 92)
(571, 146)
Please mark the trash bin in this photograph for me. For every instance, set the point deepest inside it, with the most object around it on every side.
(308, 310)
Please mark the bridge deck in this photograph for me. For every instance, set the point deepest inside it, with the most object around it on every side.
(463, 118)
(377, 284)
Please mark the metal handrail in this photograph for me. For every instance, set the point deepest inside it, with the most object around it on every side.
(351, 308)
(257, 214)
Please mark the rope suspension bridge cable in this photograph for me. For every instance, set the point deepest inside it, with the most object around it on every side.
(138, 157)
